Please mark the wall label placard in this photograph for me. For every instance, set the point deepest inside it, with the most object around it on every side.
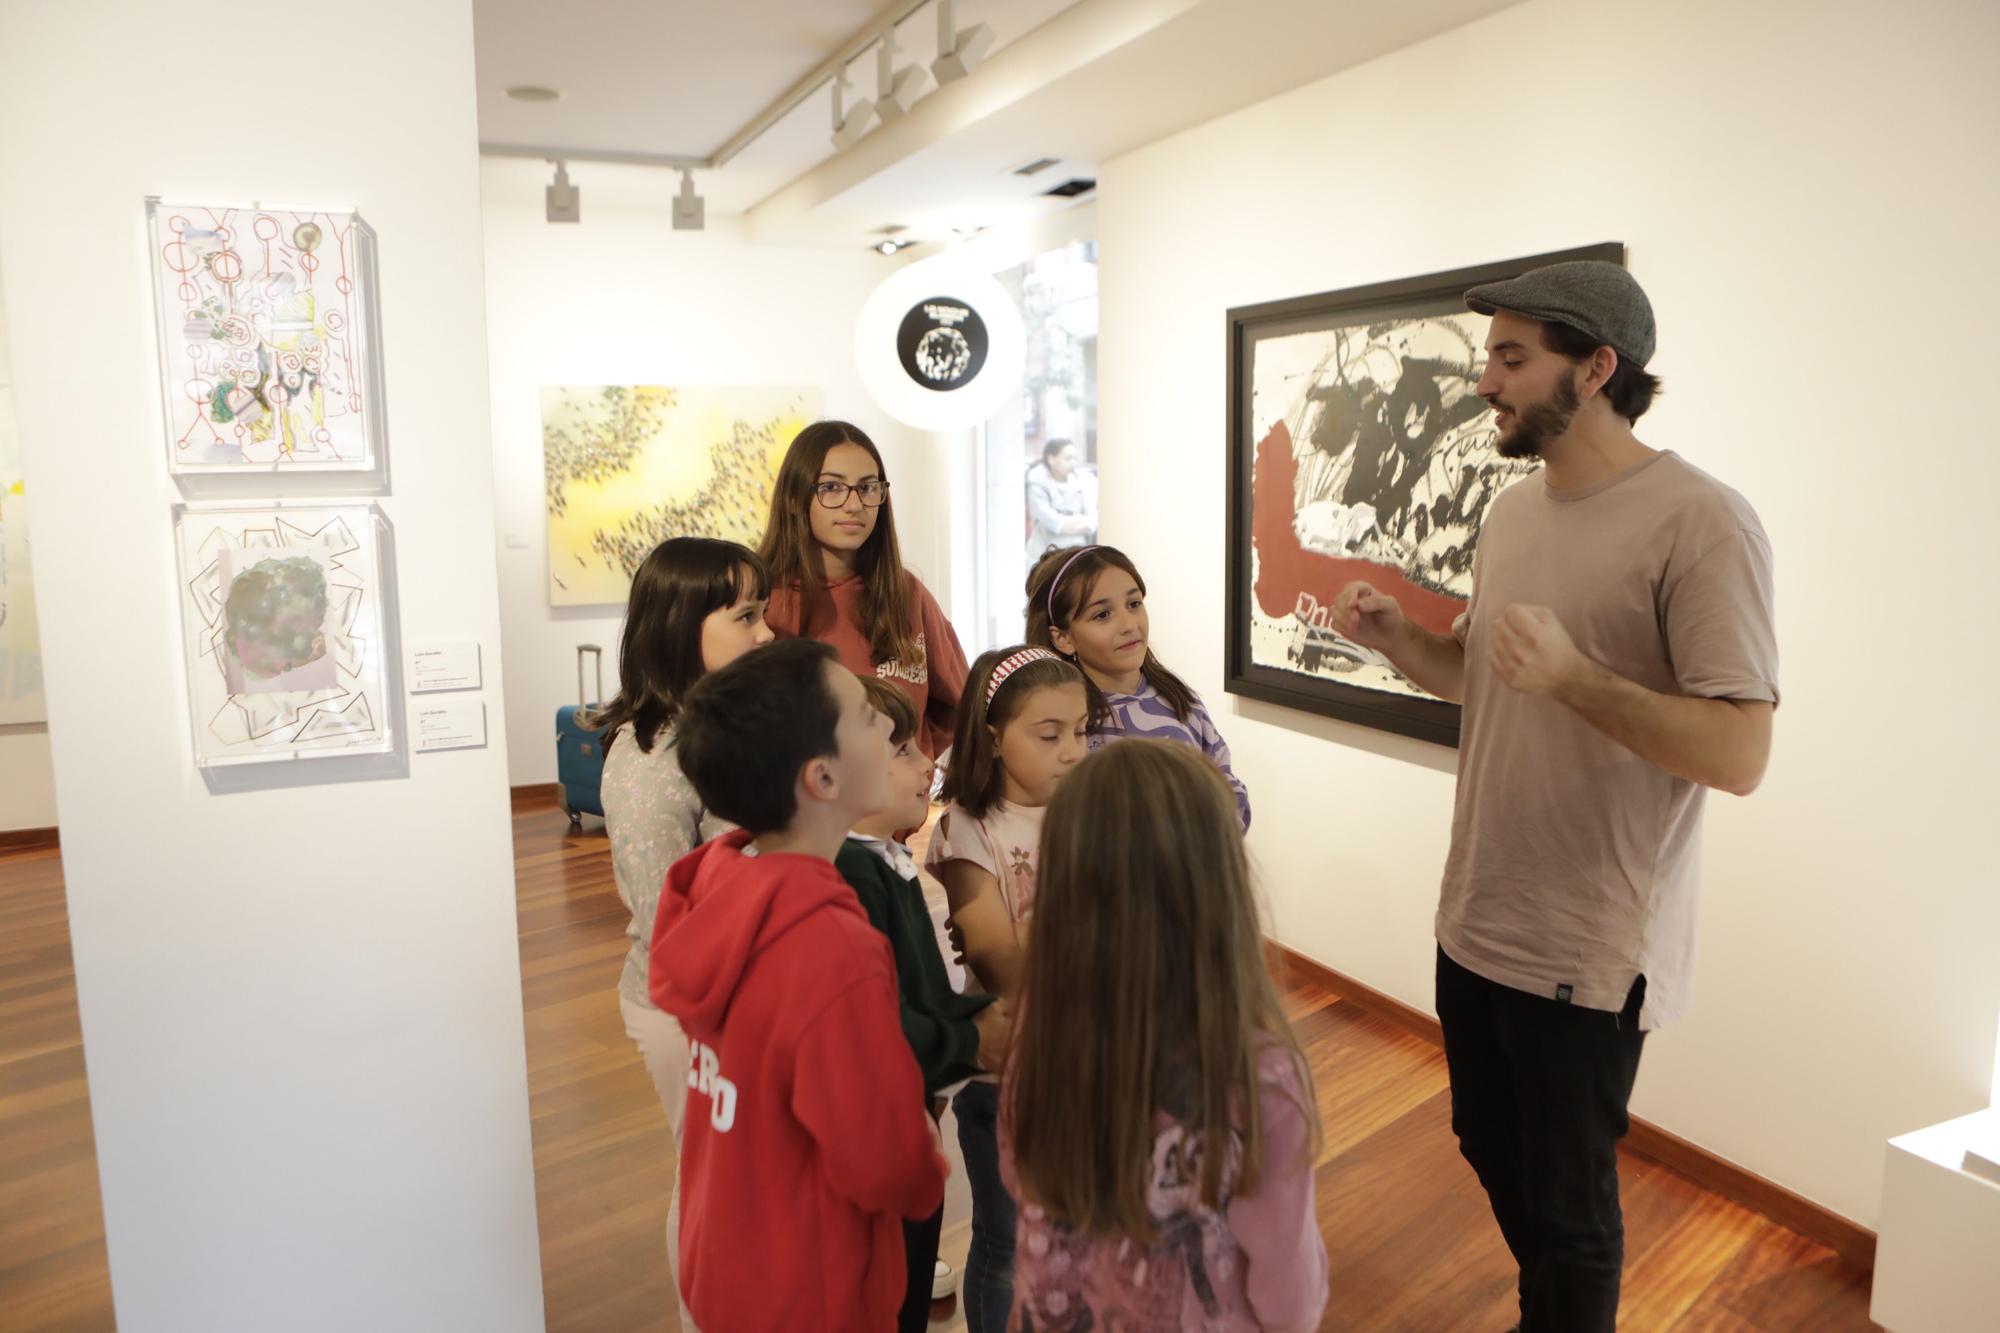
(444, 666)
(449, 724)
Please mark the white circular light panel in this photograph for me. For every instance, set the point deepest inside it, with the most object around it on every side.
(942, 299)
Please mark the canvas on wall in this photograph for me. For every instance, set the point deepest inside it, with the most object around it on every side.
(283, 613)
(266, 329)
(20, 640)
(21, 643)
(1359, 450)
(627, 466)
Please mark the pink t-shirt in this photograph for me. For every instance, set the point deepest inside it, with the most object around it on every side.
(1004, 845)
(1256, 1262)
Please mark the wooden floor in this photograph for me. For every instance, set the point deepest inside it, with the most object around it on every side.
(53, 1273)
(1412, 1244)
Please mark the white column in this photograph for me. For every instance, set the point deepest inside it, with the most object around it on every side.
(301, 1007)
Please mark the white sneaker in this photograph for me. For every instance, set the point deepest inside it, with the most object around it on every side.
(943, 1278)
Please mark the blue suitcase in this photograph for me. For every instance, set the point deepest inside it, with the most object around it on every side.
(580, 748)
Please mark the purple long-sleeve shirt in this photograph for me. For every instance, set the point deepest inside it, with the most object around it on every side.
(1145, 715)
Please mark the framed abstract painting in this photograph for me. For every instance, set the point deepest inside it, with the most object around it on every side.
(1359, 449)
(282, 609)
(269, 354)
(626, 466)
(20, 642)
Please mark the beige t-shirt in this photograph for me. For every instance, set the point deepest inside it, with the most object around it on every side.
(653, 819)
(1574, 863)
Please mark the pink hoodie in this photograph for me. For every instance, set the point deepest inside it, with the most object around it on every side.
(1257, 1263)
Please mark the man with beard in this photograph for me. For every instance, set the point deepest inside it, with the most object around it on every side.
(1617, 659)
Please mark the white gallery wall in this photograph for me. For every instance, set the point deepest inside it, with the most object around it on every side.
(27, 781)
(1807, 191)
(301, 1007)
(621, 298)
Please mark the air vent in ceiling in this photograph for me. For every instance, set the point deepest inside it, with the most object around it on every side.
(1035, 167)
(1070, 189)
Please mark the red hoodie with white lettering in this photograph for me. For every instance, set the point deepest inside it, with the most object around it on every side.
(806, 1140)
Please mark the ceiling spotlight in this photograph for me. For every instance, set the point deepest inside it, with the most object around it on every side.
(689, 209)
(889, 245)
(564, 201)
(896, 90)
(850, 124)
(958, 52)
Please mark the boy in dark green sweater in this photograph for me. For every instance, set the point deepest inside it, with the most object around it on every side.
(953, 1036)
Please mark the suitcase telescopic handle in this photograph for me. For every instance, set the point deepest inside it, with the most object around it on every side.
(597, 654)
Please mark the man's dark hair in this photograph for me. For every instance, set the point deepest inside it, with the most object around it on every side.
(745, 732)
(1055, 446)
(1630, 389)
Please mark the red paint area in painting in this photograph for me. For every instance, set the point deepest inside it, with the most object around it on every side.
(1287, 573)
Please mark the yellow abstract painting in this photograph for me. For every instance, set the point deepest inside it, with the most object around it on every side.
(628, 466)
(20, 642)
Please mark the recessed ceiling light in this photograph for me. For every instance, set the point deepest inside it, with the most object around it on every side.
(534, 92)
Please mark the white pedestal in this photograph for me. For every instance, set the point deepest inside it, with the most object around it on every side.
(1937, 1257)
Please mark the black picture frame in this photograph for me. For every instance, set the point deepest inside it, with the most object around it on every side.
(1424, 719)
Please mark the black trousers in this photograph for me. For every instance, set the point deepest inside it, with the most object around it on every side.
(920, 1252)
(1539, 1091)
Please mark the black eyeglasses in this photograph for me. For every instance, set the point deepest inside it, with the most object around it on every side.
(833, 494)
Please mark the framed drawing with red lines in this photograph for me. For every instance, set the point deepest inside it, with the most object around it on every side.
(268, 338)
(1359, 449)
(283, 617)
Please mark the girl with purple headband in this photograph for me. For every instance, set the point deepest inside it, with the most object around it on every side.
(1022, 725)
(1089, 605)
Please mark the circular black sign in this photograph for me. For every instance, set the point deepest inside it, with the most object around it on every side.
(942, 343)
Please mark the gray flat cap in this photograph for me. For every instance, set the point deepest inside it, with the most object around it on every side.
(1599, 298)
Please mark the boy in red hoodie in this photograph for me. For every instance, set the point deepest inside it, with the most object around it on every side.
(806, 1142)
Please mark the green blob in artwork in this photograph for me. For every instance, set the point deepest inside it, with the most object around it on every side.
(274, 612)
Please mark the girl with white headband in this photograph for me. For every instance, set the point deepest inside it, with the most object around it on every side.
(1089, 605)
(1022, 725)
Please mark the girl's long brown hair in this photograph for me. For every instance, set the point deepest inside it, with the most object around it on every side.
(974, 780)
(1072, 595)
(674, 590)
(887, 610)
(1146, 989)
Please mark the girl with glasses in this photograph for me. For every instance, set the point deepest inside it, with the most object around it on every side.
(837, 575)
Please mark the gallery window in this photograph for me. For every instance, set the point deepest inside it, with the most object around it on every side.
(1037, 469)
